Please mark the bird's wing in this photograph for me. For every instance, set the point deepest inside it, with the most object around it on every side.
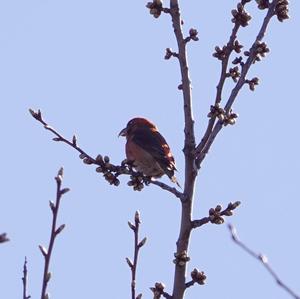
(155, 144)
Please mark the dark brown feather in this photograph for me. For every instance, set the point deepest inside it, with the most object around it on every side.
(155, 144)
(148, 149)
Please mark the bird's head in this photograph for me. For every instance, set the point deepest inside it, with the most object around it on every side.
(137, 123)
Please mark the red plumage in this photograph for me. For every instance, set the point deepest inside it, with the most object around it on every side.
(148, 150)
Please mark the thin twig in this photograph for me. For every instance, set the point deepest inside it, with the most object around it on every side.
(200, 146)
(24, 280)
(189, 284)
(228, 51)
(54, 232)
(263, 259)
(137, 246)
(216, 215)
(211, 121)
(173, 190)
(166, 295)
(105, 167)
(3, 238)
(203, 150)
(252, 56)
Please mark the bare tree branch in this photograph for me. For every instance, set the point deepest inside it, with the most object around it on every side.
(219, 117)
(137, 246)
(194, 156)
(189, 148)
(189, 284)
(262, 258)
(173, 190)
(166, 295)
(55, 231)
(24, 280)
(109, 170)
(253, 55)
(226, 52)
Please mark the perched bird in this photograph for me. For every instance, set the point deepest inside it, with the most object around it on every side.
(148, 150)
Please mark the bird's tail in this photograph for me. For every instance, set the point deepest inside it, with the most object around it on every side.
(174, 180)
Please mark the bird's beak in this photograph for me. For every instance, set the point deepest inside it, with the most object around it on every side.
(123, 132)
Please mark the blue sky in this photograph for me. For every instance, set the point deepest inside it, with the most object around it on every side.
(90, 66)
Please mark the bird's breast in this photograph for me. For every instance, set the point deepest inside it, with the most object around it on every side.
(143, 161)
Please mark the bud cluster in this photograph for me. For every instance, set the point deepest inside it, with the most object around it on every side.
(216, 111)
(155, 8)
(261, 49)
(238, 60)
(215, 214)
(220, 113)
(181, 258)
(234, 73)
(230, 118)
(198, 277)
(262, 4)
(37, 115)
(237, 47)
(158, 290)
(252, 83)
(240, 16)
(220, 53)
(137, 182)
(281, 10)
(110, 172)
(170, 53)
(231, 206)
(193, 35)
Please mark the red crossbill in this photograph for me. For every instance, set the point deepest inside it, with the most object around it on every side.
(148, 150)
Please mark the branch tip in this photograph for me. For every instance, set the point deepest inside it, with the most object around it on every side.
(137, 246)
(129, 262)
(263, 259)
(43, 250)
(60, 229)
(3, 238)
(142, 243)
(24, 280)
(54, 232)
(156, 8)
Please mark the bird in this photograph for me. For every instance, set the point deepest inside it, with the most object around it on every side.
(147, 150)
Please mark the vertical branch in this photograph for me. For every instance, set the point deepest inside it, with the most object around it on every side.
(227, 52)
(189, 146)
(24, 280)
(54, 233)
(137, 246)
(189, 140)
